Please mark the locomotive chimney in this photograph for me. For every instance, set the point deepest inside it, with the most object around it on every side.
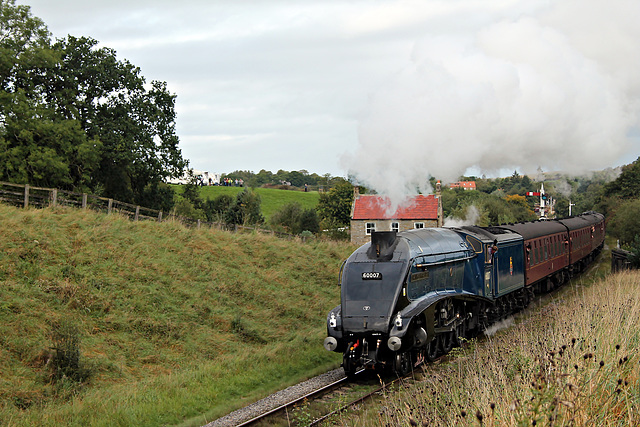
(383, 243)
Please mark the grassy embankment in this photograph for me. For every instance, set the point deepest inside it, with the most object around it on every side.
(271, 199)
(104, 321)
(571, 361)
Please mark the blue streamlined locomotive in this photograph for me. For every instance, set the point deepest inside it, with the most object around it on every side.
(411, 295)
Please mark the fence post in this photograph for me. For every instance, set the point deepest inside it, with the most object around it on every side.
(137, 213)
(109, 206)
(198, 223)
(160, 216)
(54, 197)
(26, 196)
(84, 200)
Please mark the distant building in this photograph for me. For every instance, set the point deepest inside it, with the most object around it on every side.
(465, 185)
(369, 213)
(202, 178)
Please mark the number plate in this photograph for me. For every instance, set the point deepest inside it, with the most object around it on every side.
(372, 275)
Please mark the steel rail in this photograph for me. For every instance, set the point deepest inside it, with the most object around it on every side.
(297, 400)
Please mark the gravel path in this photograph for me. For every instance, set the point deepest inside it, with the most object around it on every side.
(277, 399)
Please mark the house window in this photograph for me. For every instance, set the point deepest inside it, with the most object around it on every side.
(395, 226)
(370, 227)
(418, 225)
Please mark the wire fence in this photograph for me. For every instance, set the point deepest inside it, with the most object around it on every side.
(25, 196)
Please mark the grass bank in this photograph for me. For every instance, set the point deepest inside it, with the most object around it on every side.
(572, 361)
(272, 199)
(104, 321)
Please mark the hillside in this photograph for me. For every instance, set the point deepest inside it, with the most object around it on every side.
(104, 321)
(272, 199)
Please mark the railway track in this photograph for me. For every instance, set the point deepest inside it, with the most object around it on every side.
(366, 386)
(287, 407)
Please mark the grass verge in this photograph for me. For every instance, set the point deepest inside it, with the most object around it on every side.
(104, 321)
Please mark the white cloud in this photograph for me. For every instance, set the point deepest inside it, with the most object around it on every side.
(408, 87)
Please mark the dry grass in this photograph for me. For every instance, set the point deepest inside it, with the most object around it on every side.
(570, 362)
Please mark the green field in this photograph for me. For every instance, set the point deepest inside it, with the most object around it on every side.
(271, 199)
(104, 321)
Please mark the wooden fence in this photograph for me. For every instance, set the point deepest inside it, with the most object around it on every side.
(25, 195)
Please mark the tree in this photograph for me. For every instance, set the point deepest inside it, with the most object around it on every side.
(625, 187)
(245, 209)
(334, 206)
(624, 224)
(73, 116)
(216, 208)
(111, 101)
(309, 221)
(293, 219)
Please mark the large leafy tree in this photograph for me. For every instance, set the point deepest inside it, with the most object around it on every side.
(627, 185)
(74, 116)
(334, 206)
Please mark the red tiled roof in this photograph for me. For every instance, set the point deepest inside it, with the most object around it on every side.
(375, 207)
(463, 184)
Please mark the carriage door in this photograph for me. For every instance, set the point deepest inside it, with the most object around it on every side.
(490, 272)
(489, 276)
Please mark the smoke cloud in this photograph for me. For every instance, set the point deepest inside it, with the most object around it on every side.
(472, 215)
(556, 87)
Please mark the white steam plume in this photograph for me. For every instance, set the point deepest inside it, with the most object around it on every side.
(557, 88)
(471, 218)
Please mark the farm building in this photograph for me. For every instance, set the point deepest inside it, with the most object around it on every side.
(371, 213)
(465, 185)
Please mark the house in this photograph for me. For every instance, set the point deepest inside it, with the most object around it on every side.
(465, 185)
(202, 178)
(370, 213)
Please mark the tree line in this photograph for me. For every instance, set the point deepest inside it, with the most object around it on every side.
(75, 117)
(293, 178)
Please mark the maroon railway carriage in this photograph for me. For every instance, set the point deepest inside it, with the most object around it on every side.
(556, 249)
(586, 237)
(546, 253)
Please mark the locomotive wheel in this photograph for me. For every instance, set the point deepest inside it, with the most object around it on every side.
(432, 350)
(448, 341)
(402, 363)
(461, 332)
(348, 364)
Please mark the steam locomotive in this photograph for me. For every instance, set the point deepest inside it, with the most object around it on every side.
(412, 295)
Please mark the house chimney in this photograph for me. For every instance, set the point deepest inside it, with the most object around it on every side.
(356, 192)
(440, 220)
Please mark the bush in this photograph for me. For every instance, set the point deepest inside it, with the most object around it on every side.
(65, 363)
(293, 219)
(245, 209)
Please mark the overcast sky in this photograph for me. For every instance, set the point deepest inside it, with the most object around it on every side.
(391, 91)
